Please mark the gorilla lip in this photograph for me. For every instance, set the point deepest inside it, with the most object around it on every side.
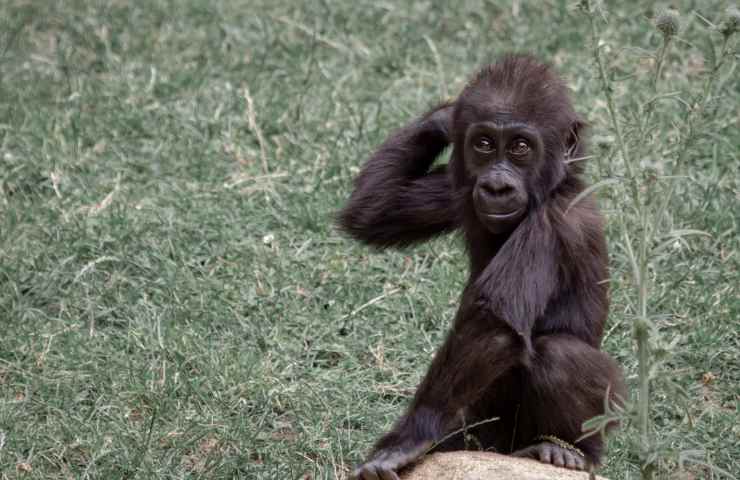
(500, 215)
(490, 213)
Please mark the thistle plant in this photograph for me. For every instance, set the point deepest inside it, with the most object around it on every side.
(731, 22)
(645, 195)
(668, 23)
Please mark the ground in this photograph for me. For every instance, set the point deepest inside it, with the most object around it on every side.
(175, 300)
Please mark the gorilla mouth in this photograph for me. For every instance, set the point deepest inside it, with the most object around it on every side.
(498, 210)
(498, 216)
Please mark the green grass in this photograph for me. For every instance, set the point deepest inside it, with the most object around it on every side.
(174, 299)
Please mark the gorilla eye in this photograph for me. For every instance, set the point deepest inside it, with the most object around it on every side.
(483, 145)
(520, 147)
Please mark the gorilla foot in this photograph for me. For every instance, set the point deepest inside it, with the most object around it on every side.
(560, 456)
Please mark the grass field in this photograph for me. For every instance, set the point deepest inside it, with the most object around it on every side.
(174, 298)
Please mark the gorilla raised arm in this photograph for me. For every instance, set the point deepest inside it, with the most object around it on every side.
(524, 345)
(397, 201)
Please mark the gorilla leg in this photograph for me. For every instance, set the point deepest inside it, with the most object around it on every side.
(566, 384)
(474, 361)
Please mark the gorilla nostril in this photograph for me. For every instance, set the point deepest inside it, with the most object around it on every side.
(506, 190)
(501, 190)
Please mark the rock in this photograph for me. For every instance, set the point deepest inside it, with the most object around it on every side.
(466, 465)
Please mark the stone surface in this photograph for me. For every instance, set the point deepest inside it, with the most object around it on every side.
(487, 466)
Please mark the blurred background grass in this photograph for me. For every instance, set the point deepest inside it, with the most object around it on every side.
(174, 299)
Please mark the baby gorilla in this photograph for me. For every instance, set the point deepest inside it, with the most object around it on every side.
(524, 345)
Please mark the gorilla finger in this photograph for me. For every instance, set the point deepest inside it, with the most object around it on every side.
(570, 460)
(545, 454)
(557, 458)
(387, 474)
(523, 453)
(366, 472)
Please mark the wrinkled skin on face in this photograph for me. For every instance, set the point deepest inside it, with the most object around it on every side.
(499, 156)
(513, 128)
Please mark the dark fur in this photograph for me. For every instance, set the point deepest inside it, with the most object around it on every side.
(525, 342)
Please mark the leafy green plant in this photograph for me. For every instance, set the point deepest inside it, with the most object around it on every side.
(653, 153)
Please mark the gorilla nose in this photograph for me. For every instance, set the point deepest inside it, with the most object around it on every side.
(497, 188)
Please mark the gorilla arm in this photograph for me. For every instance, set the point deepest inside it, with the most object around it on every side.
(396, 200)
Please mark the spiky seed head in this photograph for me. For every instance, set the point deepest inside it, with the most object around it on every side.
(668, 22)
(584, 6)
(731, 22)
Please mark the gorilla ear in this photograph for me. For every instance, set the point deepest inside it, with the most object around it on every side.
(573, 144)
